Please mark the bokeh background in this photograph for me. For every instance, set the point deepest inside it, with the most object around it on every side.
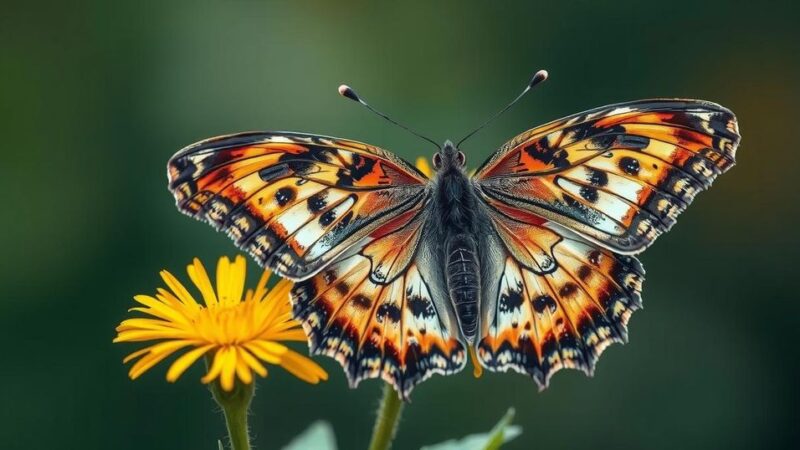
(96, 96)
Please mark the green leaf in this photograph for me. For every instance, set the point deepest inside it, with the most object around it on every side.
(499, 435)
(219, 445)
(318, 436)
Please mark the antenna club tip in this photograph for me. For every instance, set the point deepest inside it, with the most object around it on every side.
(347, 91)
(538, 77)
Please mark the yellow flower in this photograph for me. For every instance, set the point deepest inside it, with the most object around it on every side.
(424, 167)
(236, 333)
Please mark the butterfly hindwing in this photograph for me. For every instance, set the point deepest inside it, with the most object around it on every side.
(618, 175)
(559, 308)
(294, 201)
(379, 312)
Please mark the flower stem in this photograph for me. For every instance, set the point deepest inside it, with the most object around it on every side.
(235, 404)
(387, 420)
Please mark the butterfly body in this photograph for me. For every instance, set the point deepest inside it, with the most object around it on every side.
(528, 261)
(456, 219)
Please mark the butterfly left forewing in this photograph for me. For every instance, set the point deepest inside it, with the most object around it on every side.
(294, 201)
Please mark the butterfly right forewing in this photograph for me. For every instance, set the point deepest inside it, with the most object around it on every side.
(618, 175)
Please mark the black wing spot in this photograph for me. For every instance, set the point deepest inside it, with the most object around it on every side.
(549, 156)
(327, 218)
(594, 257)
(629, 165)
(544, 301)
(511, 299)
(598, 177)
(285, 195)
(362, 301)
(420, 307)
(389, 311)
(317, 202)
(584, 272)
(568, 290)
(329, 276)
(589, 194)
(342, 287)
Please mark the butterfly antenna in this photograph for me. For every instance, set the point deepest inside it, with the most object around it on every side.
(537, 78)
(348, 92)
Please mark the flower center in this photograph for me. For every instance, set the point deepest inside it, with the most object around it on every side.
(226, 324)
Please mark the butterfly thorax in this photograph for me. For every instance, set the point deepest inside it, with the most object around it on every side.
(456, 206)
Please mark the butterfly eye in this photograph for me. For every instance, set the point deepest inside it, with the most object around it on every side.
(462, 158)
(437, 161)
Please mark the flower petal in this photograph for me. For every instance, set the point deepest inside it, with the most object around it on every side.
(197, 272)
(266, 354)
(135, 355)
(149, 335)
(296, 335)
(237, 274)
(261, 287)
(160, 309)
(180, 291)
(146, 324)
(223, 278)
(253, 362)
(185, 361)
(242, 368)
(215, 369)
(157, 353)
(276, 303)
(226, 377)
(302, 367)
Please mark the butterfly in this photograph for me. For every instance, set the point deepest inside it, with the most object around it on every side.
(527, 262)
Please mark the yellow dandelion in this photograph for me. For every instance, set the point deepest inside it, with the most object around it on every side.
(236, 330)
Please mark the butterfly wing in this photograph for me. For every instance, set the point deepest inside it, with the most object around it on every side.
(553, 300)
(294, 201)
(345, 217)
(567, 202)
(618, 175)
(381, 311)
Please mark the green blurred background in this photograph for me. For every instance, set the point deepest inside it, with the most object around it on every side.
(97, 96)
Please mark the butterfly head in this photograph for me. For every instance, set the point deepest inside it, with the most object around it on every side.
(449, 157)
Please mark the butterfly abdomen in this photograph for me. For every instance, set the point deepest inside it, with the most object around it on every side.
(463, 281)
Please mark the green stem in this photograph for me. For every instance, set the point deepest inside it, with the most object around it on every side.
(387, 420)
(235, 404)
